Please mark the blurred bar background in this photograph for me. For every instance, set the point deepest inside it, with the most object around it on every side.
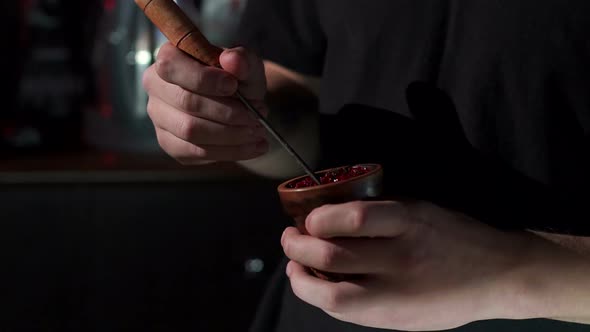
(99, 229)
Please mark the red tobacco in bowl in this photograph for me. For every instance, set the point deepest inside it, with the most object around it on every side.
(332, 176)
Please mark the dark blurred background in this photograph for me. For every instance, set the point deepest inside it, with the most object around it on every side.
(99, 230)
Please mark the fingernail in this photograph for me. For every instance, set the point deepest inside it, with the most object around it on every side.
(227, 85)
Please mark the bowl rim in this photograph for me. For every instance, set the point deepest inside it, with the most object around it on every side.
(283, 186)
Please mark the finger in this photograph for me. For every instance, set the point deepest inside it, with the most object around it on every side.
(224, 110)
(359, 219)
(178, 68)
(350, 256)
(248, 69)
(190, 154)
(326, 295)
(201, 131)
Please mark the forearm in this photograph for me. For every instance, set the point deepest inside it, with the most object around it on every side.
(580, 244)
(284, 82)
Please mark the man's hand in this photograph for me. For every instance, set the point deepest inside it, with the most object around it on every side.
(427, 268)
(191, 105)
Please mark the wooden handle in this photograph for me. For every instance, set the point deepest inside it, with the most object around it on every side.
(180, 30)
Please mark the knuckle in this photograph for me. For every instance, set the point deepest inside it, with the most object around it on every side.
(334, 300)
(147, 79)
(187, 128)
(358, 217)
(187, 100)
(167, 52)
(151, 109)
(328, 257)
(201, 81)
(165, 65)
(313, 222)
(228, 115)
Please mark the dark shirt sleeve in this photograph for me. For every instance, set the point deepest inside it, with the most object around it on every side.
(287, 32)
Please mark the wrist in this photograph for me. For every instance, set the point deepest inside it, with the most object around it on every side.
(550, 282)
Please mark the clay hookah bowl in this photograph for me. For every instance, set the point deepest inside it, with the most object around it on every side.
(298, 203)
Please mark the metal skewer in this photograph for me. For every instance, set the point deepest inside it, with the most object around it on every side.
(278, 137)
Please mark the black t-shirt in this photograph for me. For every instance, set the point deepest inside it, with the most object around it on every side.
(518, 71)
(517, 74)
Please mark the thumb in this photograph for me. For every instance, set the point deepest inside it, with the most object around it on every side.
(248, 68)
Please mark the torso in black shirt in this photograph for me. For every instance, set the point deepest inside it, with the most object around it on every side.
(518, 72)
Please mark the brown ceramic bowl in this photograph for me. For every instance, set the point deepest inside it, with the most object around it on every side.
(299, 202)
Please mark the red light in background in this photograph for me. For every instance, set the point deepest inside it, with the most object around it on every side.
(235, 5)
(109, 159)
(106, 111)
(26, 4)
(8, 131)
(109, 5)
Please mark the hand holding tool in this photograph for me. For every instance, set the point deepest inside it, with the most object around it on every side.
(180, 31)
